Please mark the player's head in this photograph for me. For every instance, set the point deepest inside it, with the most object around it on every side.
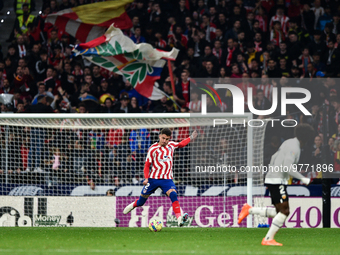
(304, 132)
(164, 136)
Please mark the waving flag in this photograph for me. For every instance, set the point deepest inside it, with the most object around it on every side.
(89, 21)
(140, 64)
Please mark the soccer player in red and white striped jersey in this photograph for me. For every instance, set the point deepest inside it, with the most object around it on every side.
(160, 157)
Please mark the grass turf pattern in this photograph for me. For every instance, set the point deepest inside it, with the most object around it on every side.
(169, 241)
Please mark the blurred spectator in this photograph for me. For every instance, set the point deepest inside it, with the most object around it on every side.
(211, 107)
(318, 65)
(54, 6)
(252, 53)
(21, 23)
(304, 60)
(82, 108)
(327, 34)
(222, 23)
(65, 5)
(303, 35)
(21, 46)
(124, 105)
(40, 107)
(258, 42)
(266, 87)
(325, 18)
(134, 106)
(67, 80)
(336, 136)
(136, 37)
(308, 18)
(108, 106)
(336, 23)
(260, 101)
(41, 92)
(336, 148)
(232, 33)
(105, 89)
(19, 6)
(209, 70)
(169, 107)
(244, 85)
(277, 35)
(272, 70)
(235, 71)
(195, 104)
(209, 27)
(331, 58)
(6, 88)
(318, 11)
(160, 105)
(282, 19)
(294, 8)
(317, 45)
(284, 71)
(242, 65)
(295, 46)
(317, 151)
(178, 97)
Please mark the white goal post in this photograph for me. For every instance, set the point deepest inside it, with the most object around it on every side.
(97, 154)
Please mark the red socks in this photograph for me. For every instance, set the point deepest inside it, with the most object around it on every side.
(135, 203)
(176, 208)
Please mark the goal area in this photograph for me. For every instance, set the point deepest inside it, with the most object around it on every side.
(86, 164)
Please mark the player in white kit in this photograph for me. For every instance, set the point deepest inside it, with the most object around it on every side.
(281, 167)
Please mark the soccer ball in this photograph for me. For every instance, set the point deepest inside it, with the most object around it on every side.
(155, 225)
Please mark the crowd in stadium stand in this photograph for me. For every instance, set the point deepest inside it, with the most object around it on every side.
(264, 39)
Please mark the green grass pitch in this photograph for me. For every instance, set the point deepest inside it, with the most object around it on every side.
(168, 241)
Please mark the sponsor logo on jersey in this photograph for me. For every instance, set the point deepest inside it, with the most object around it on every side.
(165, 158)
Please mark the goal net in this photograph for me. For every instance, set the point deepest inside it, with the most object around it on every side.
(82, 156)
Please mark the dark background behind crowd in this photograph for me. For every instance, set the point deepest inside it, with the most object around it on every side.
(263, 43)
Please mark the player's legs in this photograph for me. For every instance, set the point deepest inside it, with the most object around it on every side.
(147, 190)
(172, 194)
(169, 188)
(279, 219)
(279, 197)
(262, 211)
(138, 202)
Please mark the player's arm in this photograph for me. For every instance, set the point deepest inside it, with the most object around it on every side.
(146, 172)
(188, 140)
(289, 160)
(147, 165)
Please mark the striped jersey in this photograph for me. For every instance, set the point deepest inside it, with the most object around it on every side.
(161, 159)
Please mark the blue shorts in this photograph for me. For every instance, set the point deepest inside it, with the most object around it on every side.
(153, 184)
